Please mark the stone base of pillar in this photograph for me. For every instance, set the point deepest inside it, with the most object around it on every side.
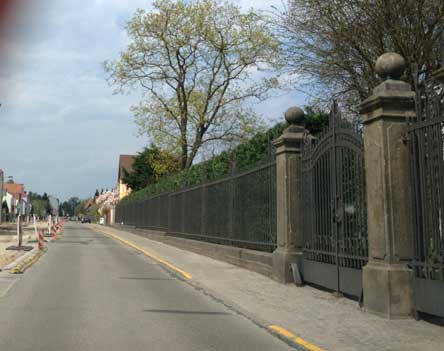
(282, 258)
(388, 290)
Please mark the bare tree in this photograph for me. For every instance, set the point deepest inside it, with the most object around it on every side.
(334, 44)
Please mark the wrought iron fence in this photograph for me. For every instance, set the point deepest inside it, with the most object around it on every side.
(426, 142)
(426, 139)
(151, 213)
(239, 210)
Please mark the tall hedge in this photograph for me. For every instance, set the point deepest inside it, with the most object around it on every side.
(244, 156)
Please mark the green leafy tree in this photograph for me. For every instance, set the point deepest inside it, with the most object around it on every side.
(70, 205)
(315, 119)
(40, 204)
(87, 208)
(39, 207)
(335, 43)
(80, 209)
(92, 212)
(149, 165)
(194, 60)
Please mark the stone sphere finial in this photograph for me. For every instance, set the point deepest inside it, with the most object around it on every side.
(390, 66)
(294, 116)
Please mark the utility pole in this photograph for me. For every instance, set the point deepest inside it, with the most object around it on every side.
(19, 231)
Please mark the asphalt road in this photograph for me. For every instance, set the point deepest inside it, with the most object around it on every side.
(90, 292)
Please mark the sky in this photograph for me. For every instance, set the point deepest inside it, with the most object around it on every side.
(62, 128)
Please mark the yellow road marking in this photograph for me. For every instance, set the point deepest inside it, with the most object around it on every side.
(294, 338)
(28, 262)
(148, 254)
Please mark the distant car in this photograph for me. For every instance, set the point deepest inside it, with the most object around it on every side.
(85, 220)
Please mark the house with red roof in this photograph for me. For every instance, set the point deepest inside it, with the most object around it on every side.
(16, 198)
(15, 189)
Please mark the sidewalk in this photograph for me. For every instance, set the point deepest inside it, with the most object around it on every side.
(334, 324)
(8, 237)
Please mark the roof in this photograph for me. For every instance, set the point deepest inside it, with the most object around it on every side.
(15, 189)
(125, 162)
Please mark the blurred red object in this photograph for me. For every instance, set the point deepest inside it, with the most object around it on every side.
(5, 7)
(6, 12)
(8, 15)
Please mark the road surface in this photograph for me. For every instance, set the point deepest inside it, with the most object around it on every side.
(90, 292)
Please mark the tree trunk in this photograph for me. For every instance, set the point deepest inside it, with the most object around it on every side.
(184, 157)
(184, 143)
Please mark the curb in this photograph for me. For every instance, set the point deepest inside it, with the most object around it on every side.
(280, 333)
(21, 264)
(291, 340)
(163, 262)
(18, 260)
(28, 262)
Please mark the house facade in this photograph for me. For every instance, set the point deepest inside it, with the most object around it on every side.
(16, 199)
(125, 163)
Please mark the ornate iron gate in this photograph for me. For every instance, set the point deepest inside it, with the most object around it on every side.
(334, 197)
(426, 140)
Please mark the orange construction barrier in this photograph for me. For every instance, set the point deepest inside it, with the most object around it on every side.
(41, 239)
(54, 232)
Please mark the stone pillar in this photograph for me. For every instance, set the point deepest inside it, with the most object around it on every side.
(387, 280)
(288, 199)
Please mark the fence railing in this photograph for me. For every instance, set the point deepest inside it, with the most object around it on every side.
(151, 213)
(426, 136)
(239, 210)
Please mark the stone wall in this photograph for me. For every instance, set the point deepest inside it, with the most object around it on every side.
(257, 261)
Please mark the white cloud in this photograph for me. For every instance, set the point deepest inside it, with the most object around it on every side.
(62, 127)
